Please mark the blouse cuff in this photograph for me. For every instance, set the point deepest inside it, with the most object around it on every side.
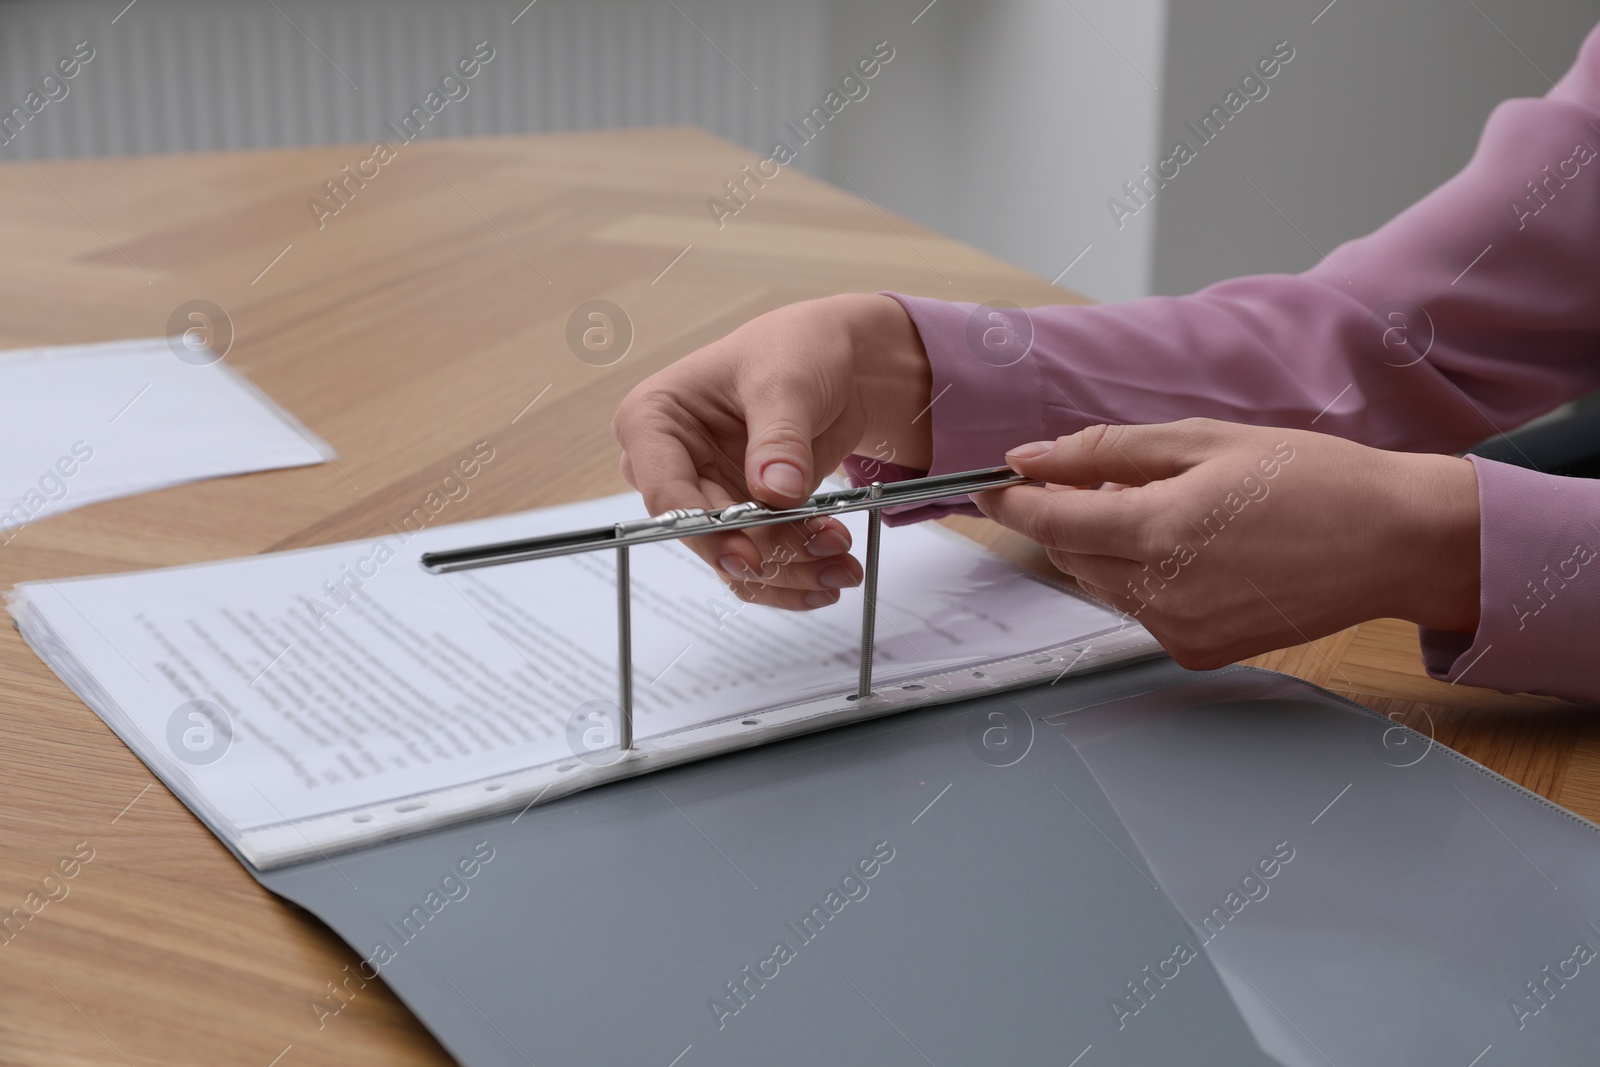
(988, 397)
(1539, 584)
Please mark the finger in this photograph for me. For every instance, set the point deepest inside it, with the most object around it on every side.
(838, 572)
(757, 548)
(794, 555)
(825, 537)
(1076, 520)
(816, 538)
(1104, 578)
(810, 555)
(822, 537)
(778, 463)
(1126, 455)
(660, 444)
(797, 555)
(1103, 572)
(1118, 602)
(657, 455)
(777, 565)
(787, 599)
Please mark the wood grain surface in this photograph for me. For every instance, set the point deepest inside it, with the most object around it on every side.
(429, 314)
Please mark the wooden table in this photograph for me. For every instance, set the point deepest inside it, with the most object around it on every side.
(428, 314)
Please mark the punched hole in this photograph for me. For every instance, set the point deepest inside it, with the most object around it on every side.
(410, 807)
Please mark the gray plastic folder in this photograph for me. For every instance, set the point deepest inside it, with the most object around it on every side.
(1144, 866)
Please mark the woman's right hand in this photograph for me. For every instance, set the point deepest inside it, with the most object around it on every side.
(764, 414)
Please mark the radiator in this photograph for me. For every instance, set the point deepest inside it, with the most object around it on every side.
(191, 75)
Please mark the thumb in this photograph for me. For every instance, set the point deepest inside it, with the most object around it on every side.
(778, 464)
(1127, 455)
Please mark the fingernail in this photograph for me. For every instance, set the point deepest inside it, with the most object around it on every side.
(1028, 451)
(837, 578)
(818, 599)
(783, 478)
(733, 565)
(830, 542)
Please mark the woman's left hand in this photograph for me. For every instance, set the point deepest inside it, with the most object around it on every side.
(1227, 541)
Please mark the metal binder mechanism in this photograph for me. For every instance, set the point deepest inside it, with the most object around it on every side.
(689, 522)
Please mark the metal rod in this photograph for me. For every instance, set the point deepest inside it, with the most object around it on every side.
(869, 595)
(624, 651)
(675, 525)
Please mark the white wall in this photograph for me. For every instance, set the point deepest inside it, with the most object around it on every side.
(1012, 122)
(1009, 124)
(1383, 101)
(185, 75)
(1003, 123)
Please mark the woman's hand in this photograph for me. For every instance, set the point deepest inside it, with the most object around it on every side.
(764, 414)
(1227, 541)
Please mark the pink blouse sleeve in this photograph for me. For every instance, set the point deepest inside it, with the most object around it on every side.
(1472, 311)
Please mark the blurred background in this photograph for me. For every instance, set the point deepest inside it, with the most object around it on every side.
(1009, 124)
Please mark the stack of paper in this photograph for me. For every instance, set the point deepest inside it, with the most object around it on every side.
(315, 700)
(84, 423)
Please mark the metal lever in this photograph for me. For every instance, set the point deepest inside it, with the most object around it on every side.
(869, 595)
(624, 651)
(674, 525)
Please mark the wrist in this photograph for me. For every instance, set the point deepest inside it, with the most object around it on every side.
(894, 379)
(1436, 536)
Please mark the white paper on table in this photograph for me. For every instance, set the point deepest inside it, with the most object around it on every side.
(84, 423)
(352, 677)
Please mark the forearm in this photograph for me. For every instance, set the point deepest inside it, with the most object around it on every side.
(1425, 564)
(1539, 597)
(893, 378)
(1472, 311)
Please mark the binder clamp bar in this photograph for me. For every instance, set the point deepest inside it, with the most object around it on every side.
(690, 522)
